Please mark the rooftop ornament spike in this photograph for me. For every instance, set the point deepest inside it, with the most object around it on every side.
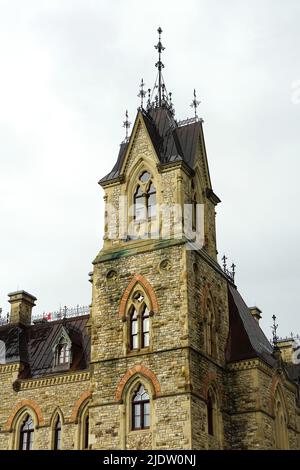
(160, 48)
(127, 125)
(229, 272)
(142, 93)
(274, 328)
(195, 103)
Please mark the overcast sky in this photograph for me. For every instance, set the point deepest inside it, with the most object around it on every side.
(68, 71)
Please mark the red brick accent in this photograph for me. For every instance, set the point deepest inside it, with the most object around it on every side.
(138, 278)
(32, 405)
(84, 396)
(138, 369)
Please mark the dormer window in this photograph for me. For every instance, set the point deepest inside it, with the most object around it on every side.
(62, 354)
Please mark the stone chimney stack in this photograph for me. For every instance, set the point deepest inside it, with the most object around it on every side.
(21, 307)
(256, 313)
(287, 347)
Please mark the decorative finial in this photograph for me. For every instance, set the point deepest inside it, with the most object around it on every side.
(159, 65)
(171, 108)
(127, 125)
(194, 104)
(224, 259)
(233, 266)
(274, 331)
(149, 99)
(142, 93)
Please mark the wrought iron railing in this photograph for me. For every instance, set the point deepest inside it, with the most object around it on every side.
(187, 121)
(63, 312)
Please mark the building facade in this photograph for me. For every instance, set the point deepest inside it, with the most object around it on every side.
(169, 356)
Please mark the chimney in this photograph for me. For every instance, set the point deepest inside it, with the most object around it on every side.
(256, 313)
(21, 307)
(287, 347)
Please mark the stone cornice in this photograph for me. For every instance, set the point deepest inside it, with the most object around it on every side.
(248, 364)
(5, 368)
(26, 384)
(136, 248)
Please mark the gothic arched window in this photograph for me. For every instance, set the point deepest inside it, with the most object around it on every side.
(84, 427)
(281, 437)
(145, 337)
(140, 409)
(134, 330)
(27, 434)
(139, 322)
(57, 434)
(86, 430)
(139, 205)
(213, 414)
(62, 354)
(194, 213)
(144, 198)
(211, 334)
(210, 415)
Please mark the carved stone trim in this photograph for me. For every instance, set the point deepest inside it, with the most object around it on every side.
(55, 380)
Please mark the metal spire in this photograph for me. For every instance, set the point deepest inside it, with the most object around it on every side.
(127, 125)
(142, 93)
(159, 65)
(195, 103)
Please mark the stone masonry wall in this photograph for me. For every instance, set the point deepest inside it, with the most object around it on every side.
(44, 400)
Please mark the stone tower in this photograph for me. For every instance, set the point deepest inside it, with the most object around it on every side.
(159, 319)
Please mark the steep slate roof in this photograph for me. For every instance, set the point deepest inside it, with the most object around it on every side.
(246, 339)
(33, 345)
(172, 143)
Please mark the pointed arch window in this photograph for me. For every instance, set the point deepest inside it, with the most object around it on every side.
(145, 198)
(213, 414)
(27, 434)
(281, 437)
(57, 434)
(145, 338)
(140, 409)
(84, 427)
(134, 329)
(194, 213)
(139, 322)
(62, 352)
(139, 205)
(86, 430)
(211, 334)
(210, 415)
(151, 202)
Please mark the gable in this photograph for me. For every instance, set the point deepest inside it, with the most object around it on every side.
(140, 147)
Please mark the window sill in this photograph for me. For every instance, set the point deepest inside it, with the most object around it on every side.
(144, 430)
(132, 352)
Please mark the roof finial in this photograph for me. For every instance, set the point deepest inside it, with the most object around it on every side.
(159, 65)
(224, 259)
(233, 266)
(127, 125)
(195, 103)
(149, 99)
(274, 331)
(142, 93)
